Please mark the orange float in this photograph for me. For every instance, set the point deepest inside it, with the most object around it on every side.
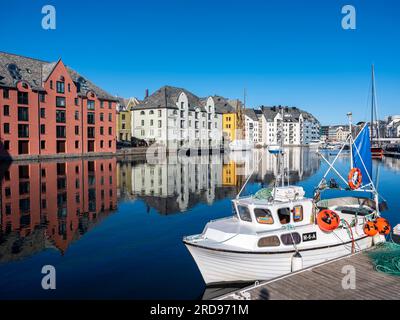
(382, 225)
(354, 178)
(328, 220)
(370, 229)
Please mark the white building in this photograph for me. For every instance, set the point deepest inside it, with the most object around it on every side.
(393, 127)
(176, 118)
(253, 132)
(299, 127)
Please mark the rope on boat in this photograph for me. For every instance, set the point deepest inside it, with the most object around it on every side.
(350, 231)
(386, 258)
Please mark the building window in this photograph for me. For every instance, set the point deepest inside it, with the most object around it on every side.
(101, 144)
(42, 97)
(51, 84)
(6, 145)
(151, 122)
(90, 131)
(77, 146)
(142, 122)
(123, 126)
(109, 105)
(159, 113)
(110, 117)
(6, 94)
(110, 144)
(69, 87)
(123, 117)
(101, 116)
(101, 104)
(76, 115)
(42, 113)
(23, 131)
(77, 101)
(42, 145)
(60, 116)
(90, 118)
(60, 102)
(90, 104)
(77, 130)
(23, 147)
(23, 98)
(60, 132)
(6, 128)
(6, 110)
(42, 129)
(110, 131)
(60, 87)
(159, 123)
(101, 130)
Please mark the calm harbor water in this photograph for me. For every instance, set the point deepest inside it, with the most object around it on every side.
(114, 229)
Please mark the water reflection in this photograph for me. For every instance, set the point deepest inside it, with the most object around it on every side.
(179, 183)
(51, 204)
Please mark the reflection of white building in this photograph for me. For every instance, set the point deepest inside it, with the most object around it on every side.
(176, 118)
(299, 127)
(178, 181)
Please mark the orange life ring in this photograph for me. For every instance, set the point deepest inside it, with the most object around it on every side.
(355, 178)
(328, 220)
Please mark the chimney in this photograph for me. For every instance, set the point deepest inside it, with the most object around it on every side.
(146, 93)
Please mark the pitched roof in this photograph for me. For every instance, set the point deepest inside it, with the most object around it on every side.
(14, 68)
(291, 114)
(222, 105)
(167, 97)
(251, 113)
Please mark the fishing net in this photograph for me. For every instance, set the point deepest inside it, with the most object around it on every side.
(386, 258)
(263, 194)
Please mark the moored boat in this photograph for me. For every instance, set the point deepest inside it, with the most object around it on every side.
(279, 230)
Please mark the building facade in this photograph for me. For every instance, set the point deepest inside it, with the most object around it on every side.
(253, 127)
(123, 121)
(299, 127)
(175, 118)
(49, 109)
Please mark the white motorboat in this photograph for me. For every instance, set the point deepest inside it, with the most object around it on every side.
(274, 149)
(240, 145)
(279, 230)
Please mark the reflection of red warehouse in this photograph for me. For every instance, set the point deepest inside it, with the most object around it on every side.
(48, 109)
(62, 198)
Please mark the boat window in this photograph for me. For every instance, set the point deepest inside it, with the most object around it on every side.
(284, 215)
(263, 216)
(272, 241)
(244, 213)
(287, 238)
(297, 213)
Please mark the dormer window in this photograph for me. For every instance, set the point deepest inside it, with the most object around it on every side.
(24, 85)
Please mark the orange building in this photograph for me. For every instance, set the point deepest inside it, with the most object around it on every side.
(48, 109)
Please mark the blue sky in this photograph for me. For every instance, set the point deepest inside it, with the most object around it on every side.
(283, 51)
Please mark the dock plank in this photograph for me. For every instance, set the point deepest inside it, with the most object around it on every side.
(324, 282)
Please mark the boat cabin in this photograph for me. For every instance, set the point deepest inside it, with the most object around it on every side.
(273, 215)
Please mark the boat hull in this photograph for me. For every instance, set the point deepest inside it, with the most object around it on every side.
(218, 266)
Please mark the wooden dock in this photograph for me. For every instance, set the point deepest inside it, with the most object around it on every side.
(324, 282)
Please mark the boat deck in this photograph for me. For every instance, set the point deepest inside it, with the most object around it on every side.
(324, 282)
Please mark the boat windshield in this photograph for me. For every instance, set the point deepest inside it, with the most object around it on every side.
(263, 216)
(284, 215)
(244, 213)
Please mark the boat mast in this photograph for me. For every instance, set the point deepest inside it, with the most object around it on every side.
(350, 116)
(374, 112)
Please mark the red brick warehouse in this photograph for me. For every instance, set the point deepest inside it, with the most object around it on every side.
(48, 109)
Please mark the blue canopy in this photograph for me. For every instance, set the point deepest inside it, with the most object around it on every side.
(363, 144)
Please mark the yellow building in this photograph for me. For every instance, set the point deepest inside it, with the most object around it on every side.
(229, 125)
(123, 121)
(229, 177)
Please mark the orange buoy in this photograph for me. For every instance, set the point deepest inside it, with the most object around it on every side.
(354, 178)
(382, 225)
(328, 220)
(370, 229)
